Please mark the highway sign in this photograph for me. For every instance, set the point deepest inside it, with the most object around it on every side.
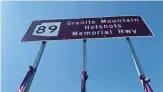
(82, 28)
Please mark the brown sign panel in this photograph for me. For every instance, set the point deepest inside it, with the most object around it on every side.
(82, 28)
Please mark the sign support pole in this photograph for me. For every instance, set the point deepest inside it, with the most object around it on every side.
(139, 69)
(36, 63)
(84, 55)
(33, 69)
(135, 58)
(38, 58)
(84, 68)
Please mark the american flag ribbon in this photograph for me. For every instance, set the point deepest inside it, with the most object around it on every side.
(147, 87)
(84, 78)
(26, 79)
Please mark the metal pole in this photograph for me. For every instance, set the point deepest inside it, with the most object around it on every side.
(84, 55)
(39, 55)
(35, 65)
(84, 68)
(145, 81)
(135, 58)
(136, 61)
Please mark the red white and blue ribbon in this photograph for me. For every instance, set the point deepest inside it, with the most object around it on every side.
(26, 79)
(147, 87)
(84, 79)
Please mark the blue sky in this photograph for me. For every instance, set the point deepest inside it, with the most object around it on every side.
(110, 65)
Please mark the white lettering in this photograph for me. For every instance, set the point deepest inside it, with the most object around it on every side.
(98, 32)
(120, 31)
(110, 26)
(96, 26)
(119, 25)
(109, 21)
(114, 21)
(87, 33)
(86, 26)
(119, 20)
(105, 26)
(74, 33)
(102, 32)
(92, 27)
(80, 33)
(127, 31)
(134, 31)
(69, 23)
(77, 23)
(123, 20)
(132, 20)
(136, 20)
(106, 32)
(110, 31)
(127, 20)
(103, 21)
(93, 33)
(93, 22)
(82, 22)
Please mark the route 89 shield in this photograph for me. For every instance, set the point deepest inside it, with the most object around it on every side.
(47, 29)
